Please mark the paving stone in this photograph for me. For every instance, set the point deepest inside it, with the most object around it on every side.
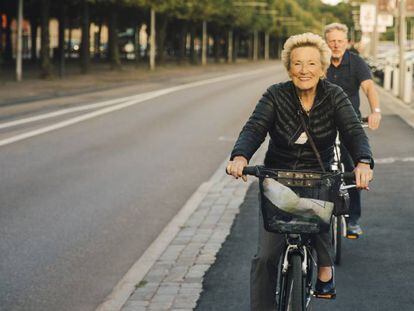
(168, 288)
(134, 308)
(143, 295)
(197, 271)
(135, 305)
(159, 306)
(172, 252)
(163, 298)
(177, 274)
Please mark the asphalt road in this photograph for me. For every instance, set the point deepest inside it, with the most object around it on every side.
(80, 204)
(377, 272)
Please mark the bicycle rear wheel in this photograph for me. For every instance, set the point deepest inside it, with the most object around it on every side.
(337, 238)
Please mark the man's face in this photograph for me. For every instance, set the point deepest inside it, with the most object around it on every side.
(337, 42)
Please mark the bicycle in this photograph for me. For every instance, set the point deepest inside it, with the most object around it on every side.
(297, 266)
(339, 222)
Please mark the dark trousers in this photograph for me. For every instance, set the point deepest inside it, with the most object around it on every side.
(263, 273)
(354, 194)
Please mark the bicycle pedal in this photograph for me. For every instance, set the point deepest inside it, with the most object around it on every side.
(352, 236)
(324, 296)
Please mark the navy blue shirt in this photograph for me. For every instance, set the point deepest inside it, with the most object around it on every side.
(349, 75)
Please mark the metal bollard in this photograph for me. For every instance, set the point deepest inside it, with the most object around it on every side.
(396, 80)
(387, 75)
(408, 85)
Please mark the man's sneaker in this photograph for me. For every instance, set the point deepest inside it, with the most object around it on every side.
(353, 230)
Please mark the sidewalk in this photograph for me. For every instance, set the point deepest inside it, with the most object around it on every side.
(175, 280)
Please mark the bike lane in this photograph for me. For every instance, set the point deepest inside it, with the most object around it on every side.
(377, 269)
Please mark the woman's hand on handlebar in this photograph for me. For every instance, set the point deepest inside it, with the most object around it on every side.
(235, 167)
(363, 175)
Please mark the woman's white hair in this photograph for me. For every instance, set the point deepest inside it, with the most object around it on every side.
(304, 40)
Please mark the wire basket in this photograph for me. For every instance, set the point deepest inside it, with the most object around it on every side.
(298, 202)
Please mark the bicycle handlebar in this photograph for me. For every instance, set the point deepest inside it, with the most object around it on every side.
(255, 171)
(251, 170)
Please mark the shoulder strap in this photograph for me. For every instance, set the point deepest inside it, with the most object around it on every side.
(312, 143)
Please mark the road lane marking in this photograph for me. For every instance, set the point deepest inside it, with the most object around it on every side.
(137, 98)
(227, 138)
(393, 160)
(60, 113)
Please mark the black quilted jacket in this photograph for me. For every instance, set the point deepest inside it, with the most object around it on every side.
(277, 114)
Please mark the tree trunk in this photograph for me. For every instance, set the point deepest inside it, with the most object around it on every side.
(61, 49)
(85, 42)
(216, 47)
(1, 45)
(137, 46)
(249, 43)
(204, 45)
(33, 35)
(230, 46)
(183, 42)
(45, 65)
(70, 26)
(113, 48)
(97, 48)
(162, 23)
(8, 51)
(236, 46)
(193, 54)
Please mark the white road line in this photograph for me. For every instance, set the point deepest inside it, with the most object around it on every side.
(60, 113)
(393, 160)
(138, 99)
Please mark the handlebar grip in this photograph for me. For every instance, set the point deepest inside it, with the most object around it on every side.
(250, 170)
(349, 177)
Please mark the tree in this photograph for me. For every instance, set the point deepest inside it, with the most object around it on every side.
(85, 55)
(46, 67)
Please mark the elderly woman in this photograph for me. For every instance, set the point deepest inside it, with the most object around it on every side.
(326, 109)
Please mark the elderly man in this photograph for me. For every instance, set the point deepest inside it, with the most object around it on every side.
(350, 72)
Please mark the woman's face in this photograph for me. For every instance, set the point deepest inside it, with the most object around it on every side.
(305, 67)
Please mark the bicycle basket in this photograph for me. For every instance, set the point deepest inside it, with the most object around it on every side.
(298, 202)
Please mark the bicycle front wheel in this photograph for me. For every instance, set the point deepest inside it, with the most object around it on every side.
(295, 285)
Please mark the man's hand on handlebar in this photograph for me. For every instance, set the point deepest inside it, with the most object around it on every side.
(235, 167)
(363, 175)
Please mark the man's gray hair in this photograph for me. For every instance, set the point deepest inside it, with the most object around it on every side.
(336, 26)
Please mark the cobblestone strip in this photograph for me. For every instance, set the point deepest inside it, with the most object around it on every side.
(175, 280)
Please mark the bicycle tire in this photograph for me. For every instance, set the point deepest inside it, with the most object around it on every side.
(337, 239)
(296, 298)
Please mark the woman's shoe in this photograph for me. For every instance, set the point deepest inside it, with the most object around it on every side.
(325, 289)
